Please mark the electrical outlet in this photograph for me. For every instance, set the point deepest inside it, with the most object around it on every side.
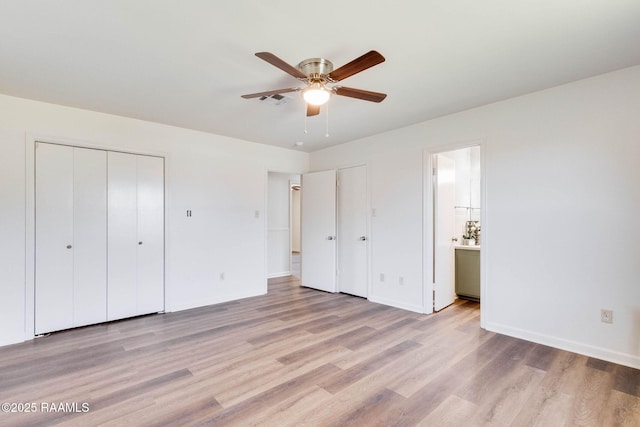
(382, 277)
(606, 316)
(221, 276)
(401, 281)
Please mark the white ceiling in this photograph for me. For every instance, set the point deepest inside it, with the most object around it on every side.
(187, 63)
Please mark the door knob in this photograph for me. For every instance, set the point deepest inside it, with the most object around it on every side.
(331, 238)
(454, 239)
(68, 246)
(139, 243)
(363, 238)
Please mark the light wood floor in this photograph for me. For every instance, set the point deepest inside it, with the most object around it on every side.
(301, 357)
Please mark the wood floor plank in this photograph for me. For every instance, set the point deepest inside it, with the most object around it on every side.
(452, 412)
(297, 356)
(266, 399)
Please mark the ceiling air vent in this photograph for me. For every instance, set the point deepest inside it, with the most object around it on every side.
(276, 99)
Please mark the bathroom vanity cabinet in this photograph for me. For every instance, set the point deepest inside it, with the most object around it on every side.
(467, 260)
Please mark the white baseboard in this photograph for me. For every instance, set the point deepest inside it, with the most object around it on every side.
(630, 360)
(281, 274)
(216, 300)
(396, 304)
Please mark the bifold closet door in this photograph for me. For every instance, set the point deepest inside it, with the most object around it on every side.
(70, 276)
(135, 235)
(150, 234)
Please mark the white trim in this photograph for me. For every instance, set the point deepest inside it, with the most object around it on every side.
(265, 219)
(396, 304)
(567, 345)
(280, 274)
(211, 301)
(427, 232)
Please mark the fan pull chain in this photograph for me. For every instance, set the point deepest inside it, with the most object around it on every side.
(326, 135)
(305, 120)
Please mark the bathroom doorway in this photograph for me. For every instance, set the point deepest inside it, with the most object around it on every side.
(457, 229)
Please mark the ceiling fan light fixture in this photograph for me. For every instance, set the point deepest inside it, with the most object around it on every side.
(316, 94)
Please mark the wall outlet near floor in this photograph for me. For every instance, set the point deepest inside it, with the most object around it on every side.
(401, 281)
(382, 277)
(606, 316)
(221, 276)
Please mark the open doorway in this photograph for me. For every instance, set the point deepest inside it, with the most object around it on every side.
(283, 225)
(294, 186)
(456, 226)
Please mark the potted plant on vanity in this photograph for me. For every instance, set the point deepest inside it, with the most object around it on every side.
(472, 236)
(467, 240)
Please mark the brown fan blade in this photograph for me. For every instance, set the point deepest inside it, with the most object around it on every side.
(313, 110)
(367, 60)
(360, 94)
(270, 92)
(277, 62)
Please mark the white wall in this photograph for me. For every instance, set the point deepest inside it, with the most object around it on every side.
(12, 236)
(222, 180)
(562, 194)
(278, 234)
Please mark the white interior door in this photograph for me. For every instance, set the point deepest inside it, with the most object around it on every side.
(150, 256)
(71, 237)
(444, 231)
(89, 236)
(352, 231)
(135, 235)
(122, 236)
(54, 238)
(318, 230)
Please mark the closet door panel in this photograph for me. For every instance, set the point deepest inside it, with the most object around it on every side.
(122, 236)
(90, 236)
(150, 234)
(54, 238)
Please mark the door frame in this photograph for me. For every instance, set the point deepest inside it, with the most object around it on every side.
(428, 223)
(265, 219)
(30, 213)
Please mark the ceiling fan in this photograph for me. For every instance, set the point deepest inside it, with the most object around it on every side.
(317, 73)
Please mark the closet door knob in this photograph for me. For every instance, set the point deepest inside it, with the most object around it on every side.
(363, 238)
(68, 246)
(139, 243)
